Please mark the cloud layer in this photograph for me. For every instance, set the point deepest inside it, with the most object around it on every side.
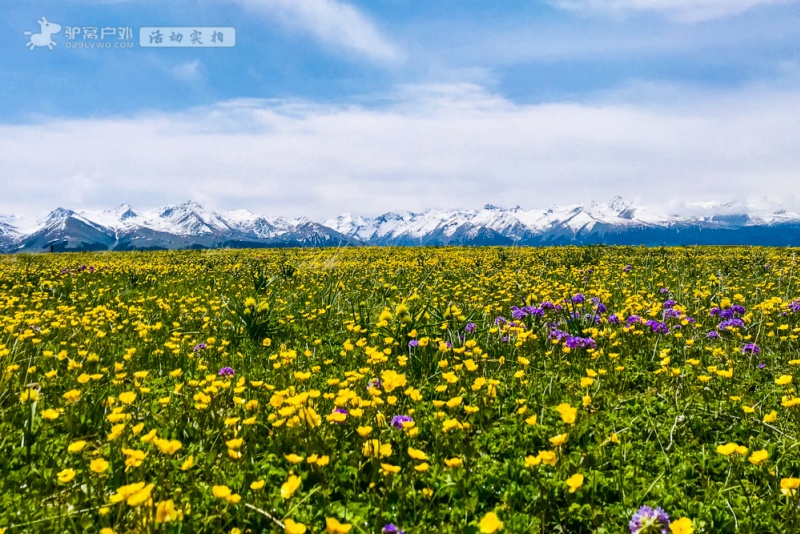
(333, 23)
(686, 10)
(445, 146)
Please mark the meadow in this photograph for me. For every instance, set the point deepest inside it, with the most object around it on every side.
(387, 390)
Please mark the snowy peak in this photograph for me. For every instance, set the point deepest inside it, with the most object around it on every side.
(617, 221)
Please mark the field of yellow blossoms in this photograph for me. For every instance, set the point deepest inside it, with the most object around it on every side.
(386, 390)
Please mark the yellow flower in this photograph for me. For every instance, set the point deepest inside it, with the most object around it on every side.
(575, 482)
(453, 462)
(783, 380)
(166, 512)
(681, 526)
(292, 527)
(29, 394)
(234, 444)
(490, 523)
(76, 446)
(727, 449)
(559, 440)
(417, 454)
(293, 458)
(364, 431)
(424, 466)
(531, 420)
(567, 413)
(375, 448)
(290, 486)
(771, 416)
(333, 526)
(134, 494)
(188, 464)
(168, 447)
(758, 457)
(586, 382)
(98, 465)
(389, 469)
(127, 397)
(257, 485)
(72, 396)
(66, 475)
(532, 461)
(548, 457)
(789, 486)
(221, 492)
(50, 414)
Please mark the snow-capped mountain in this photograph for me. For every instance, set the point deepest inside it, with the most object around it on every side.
(190, 225)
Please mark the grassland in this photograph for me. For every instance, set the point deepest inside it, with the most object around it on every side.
(416, 390)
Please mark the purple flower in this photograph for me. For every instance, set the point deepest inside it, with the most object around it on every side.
(391, 529)
(657, 326)
(752, 348)
(470, 328)
(518, 313)
(580, 343)
(375, 383)
(398, 420)
(761, 365)
(627, 268)
(712, 335)
(613, 319)
(794, 306)
(226, 371)
(634, 319)
(713, 311)
(648, 521)
(547, 305)
(199, 346)
(413, 343)
(669, 303)
(578, 299)
(738, 309)
(731, 323)
(663, 290)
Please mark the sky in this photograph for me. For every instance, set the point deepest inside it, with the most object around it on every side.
(330, 106)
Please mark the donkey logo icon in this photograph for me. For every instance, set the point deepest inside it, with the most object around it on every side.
(44, 37)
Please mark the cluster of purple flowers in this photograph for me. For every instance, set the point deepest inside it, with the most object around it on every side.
(794, 307)
(731, 323)
(398, 420)
(649, 521)
(580, 343)
(727, 313)
(226, 371)
(751, 348)
(657, 326)
(601, 308)
(199, 346)
(578, 299)
(633, 319)
(613, 319)
(525, 311)
(470, 328)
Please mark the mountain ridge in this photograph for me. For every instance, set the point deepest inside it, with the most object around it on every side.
(616, 222)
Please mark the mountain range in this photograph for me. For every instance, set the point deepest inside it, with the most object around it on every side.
(617, 222)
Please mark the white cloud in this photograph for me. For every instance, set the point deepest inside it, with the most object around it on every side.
(686, 10)
(444, 146)
(187, 71)
(334, 23)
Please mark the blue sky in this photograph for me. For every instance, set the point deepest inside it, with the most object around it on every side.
(454, 103)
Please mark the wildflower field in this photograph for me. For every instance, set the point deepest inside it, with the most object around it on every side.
(390, 390)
